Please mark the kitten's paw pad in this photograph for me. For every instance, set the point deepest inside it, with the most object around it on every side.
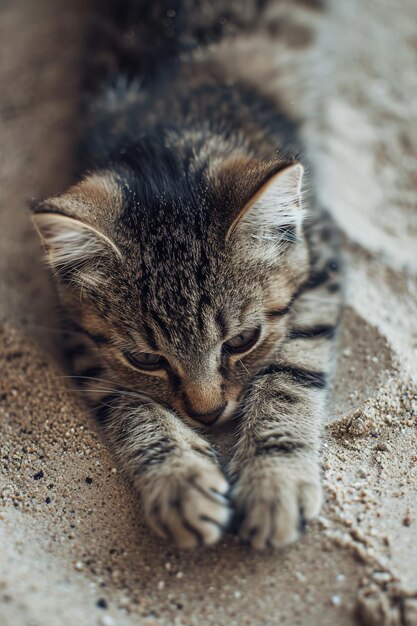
(273, 503)
(189, 505)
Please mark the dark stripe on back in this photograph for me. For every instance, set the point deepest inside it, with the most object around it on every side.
(307, 378)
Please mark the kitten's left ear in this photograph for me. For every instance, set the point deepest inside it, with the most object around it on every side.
(274, 212)
(75, 246)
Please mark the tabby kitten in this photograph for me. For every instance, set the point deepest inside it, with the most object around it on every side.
(204, 286)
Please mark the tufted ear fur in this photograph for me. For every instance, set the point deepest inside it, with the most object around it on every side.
(274, 214)
(74, 247)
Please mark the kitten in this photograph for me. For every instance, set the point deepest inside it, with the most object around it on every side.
(203, 285)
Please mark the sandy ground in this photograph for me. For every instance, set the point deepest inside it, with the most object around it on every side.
(73, 547)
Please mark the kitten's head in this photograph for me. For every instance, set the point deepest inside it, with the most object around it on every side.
(182, 279)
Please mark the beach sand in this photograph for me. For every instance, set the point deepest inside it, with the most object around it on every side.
(73, 545)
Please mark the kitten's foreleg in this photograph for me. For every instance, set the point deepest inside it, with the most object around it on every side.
(183, 489)
(275, 468)
(276, 463)
(184, 492)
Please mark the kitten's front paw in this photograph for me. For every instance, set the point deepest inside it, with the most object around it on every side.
(274, 500)
(187, 501)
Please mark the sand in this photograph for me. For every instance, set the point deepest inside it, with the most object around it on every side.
(73, 545)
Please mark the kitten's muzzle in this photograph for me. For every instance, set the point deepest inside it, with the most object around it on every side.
(208, 418)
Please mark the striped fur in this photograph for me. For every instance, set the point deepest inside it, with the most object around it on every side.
(203, 285)
(275, 466)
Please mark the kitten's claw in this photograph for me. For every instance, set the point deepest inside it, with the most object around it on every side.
(188, 503)
(274, 501)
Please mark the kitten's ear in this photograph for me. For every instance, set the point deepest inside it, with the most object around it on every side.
(274, 214)
(74, 248)
(69, 242)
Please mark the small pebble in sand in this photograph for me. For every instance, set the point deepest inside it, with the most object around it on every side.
(78, 566)
(161, 585)
(408, 520)
(336, 600)
(237, 595)
(340, 578)
(38, 475)
(362, 473)
(347, 352)
(102, 603)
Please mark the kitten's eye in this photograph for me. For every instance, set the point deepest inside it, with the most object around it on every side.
(242, 342)
(146, 361)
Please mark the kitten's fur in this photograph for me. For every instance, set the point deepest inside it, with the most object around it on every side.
(186, 228)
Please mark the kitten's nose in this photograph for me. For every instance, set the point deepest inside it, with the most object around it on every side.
(209, 418)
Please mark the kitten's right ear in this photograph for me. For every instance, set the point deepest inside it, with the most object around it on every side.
(265, 200)
(74, 247)
(274, 208)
